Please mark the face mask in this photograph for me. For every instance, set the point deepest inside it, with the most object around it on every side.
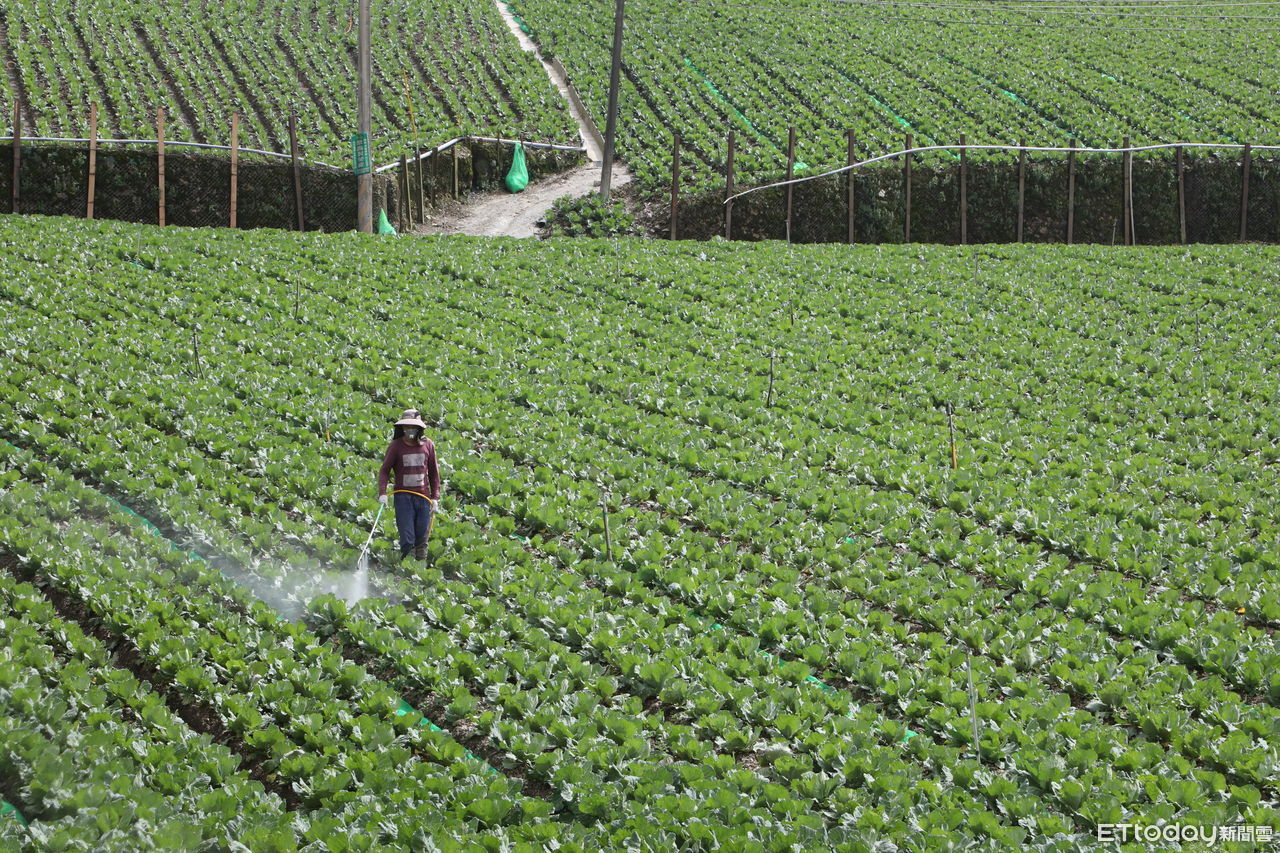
(411, 433)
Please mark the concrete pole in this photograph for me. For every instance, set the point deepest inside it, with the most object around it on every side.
(364, 183)
(611, 125)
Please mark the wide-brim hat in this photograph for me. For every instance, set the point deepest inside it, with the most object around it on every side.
(411, 418)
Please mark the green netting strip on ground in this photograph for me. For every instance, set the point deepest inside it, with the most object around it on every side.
(902, 122)
(403, 709)
(406, 708)
(716, 626)
(746, 122)
(519, 20)
(8, 809)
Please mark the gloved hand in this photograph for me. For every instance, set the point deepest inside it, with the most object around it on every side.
(382, 499)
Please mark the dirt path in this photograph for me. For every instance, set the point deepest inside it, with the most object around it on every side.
(502, 213)
(589, 139)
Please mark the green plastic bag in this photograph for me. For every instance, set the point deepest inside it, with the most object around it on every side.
(518, 174)
(7, 809)
(384, 226)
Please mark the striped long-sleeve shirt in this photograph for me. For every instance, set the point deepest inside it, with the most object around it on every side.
(415, 467)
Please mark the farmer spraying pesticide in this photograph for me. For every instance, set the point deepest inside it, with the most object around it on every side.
(417, 483)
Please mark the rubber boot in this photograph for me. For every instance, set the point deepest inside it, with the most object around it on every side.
(420, 552)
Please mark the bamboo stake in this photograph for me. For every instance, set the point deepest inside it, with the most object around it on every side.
(453, 151)
(93, 161)
(675, 186)
(1182, 196)
(906, 181)
(235, 166)
(297, 172)
(17, 157)
(404, 192)
(964, 190)
(1071, 193)
(1126, 188)
(973, 706)
(1247, 158)
(849, 178)
(768, 401)
(1022, 190)
(728, 191)
(791, 168)
(160, 161)
(604, 512)
(423, 187)
(951, 429)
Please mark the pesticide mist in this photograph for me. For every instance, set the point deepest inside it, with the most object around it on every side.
(287, 589)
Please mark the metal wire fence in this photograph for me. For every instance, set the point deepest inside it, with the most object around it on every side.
(257, 190)
(1153, 194)
(55, 179)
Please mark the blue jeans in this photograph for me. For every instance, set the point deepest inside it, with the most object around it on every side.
(413, 520)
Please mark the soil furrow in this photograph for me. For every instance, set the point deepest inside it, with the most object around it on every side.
(304, 80)
(188, 114)
(272, 140)
(200, 716)
(16, 86)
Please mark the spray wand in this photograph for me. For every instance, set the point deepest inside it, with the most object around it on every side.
(364, 552)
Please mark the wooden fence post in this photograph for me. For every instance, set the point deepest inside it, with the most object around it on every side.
(92, 186)
(1126, 194)
(1133, 216)
(160, 162)
(17, 156)
(1071, 193)
(402, 179)
(1022, 189)
(728, 191)
(235, 166)
(849, 161)
(297, 171)
(906, 182)
(964, 190)
(1247, 158)
(1182, 194)
(791, 170)
(675, 185)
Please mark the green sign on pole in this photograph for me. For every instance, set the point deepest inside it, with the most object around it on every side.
(361, 162)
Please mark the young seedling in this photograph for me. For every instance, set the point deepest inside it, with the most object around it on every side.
(195, 351)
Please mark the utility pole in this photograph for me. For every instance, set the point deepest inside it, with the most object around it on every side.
(364, 178)
(611, 124)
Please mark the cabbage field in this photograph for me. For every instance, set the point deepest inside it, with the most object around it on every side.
(442, 69)
(997, 72)
(708, 573)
